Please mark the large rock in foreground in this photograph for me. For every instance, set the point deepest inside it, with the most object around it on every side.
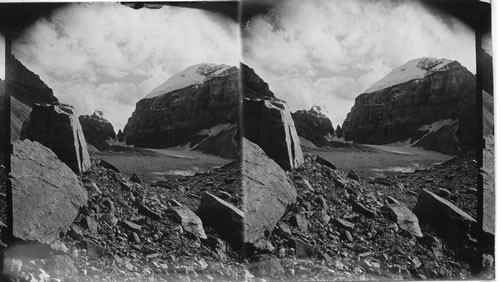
(46, 194)
(267, 193)
(269, 124)
(97, 130)
(453, 223)
(313, 125)
(56, 127)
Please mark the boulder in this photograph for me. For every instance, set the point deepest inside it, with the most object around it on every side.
(97, 130)
(302, 249)
(268, 192)
(46, 194)
(405, 218)
(313, 125)
(188, 220)
(353, 175)
(269, 124)
(57, 128)
(453, 223)
(225, 218)
(325, 162)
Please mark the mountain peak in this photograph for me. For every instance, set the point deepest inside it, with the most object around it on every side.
(411, 70)
(317, 110)
(192, 75)
(98, 114)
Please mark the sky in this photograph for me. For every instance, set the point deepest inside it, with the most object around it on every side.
(105, 56)
(327, 52)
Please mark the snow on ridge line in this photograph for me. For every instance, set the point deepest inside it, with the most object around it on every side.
(411, 70)
(192, 75)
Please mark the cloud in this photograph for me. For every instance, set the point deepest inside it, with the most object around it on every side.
(105, 56)
(328, 52)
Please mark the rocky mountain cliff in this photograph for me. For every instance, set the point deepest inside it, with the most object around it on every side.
(97, 130)
(411, 97)
(26, 89)
(313, 125)
(199, 98)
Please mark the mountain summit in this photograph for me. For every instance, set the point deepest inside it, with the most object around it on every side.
(193, 75)
(414, 69)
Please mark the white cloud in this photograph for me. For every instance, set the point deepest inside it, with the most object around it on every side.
(328, 52)
(107, 56)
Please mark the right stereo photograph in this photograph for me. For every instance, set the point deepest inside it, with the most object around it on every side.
(368, 148)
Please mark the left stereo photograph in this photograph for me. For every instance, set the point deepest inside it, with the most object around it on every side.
(126, 142)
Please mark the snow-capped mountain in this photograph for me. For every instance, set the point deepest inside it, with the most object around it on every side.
(414, 99)
(192, 75)
(414, 69)
(190, 107)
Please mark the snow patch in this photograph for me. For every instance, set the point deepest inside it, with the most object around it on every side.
(216, 129)
(412, 70)
(435, 126)
(192, 75)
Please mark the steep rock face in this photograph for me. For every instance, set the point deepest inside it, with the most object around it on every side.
(209, 96)
(26, 89)
(313, 125)
(268, 193)
(46, 194)
(418, 93)
(56, 127)
(267, 122)
(97, 130)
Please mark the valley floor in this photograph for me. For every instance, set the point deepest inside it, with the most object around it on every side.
(379, 160)
(155, 164)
